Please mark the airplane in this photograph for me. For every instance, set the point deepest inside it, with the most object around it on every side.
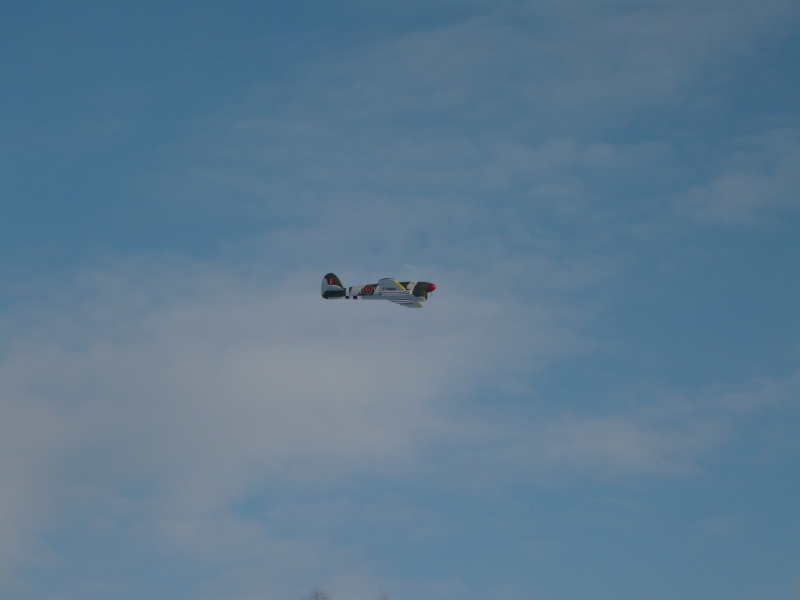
(406, 293)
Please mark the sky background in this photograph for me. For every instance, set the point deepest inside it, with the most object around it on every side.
(601, 400)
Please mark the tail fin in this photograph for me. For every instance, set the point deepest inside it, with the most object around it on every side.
(332, 287)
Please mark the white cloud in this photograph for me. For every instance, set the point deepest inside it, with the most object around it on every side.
(163, 395)
(759, 177)
(464, 142)
(166, 394)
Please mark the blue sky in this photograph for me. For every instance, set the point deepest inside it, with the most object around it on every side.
(600, 401)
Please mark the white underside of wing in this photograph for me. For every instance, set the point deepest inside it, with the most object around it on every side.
(403, 298)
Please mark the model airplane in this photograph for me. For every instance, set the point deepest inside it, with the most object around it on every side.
(406, 293)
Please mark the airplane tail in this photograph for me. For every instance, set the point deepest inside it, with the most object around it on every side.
(332, 287)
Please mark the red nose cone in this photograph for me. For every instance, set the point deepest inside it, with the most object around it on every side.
(431, 287)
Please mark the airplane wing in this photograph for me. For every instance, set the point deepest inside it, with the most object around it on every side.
(394, 291)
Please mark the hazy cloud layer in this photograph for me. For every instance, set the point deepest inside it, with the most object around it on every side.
(151, 401)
